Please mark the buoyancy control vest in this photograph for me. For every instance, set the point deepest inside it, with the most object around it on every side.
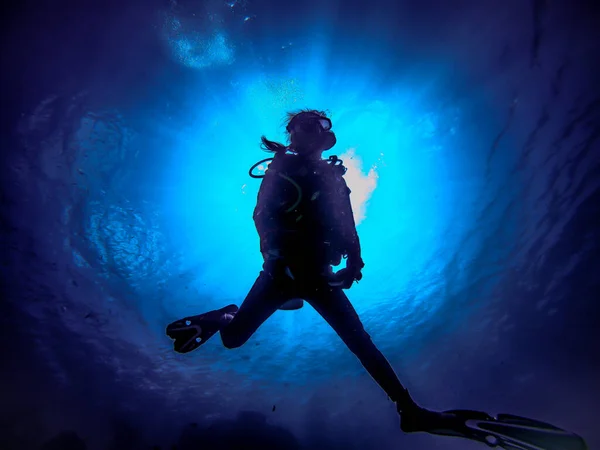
(303, 210)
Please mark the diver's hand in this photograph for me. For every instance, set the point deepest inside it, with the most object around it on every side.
(345, 277)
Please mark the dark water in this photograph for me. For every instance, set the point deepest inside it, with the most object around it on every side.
(471, 131)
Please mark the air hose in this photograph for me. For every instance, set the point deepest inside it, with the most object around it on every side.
(254, 166)
(285, 177)
(333, 160)
(298, 189)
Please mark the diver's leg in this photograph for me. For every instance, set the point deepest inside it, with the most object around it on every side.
(269, 292)
(333, 305)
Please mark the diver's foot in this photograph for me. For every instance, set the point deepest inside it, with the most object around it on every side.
(191, 332)
(417, 419)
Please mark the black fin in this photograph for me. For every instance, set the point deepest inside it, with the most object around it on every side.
(191, 332)
(505, 431)
(517, 433)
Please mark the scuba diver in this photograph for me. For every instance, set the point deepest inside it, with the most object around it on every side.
(305, 223)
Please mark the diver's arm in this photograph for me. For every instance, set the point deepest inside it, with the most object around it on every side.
(350, 240)
(349, 243)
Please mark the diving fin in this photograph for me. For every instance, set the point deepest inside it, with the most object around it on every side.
(505, 431)
(191, 332)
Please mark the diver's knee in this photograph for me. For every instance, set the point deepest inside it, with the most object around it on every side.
(231, 341)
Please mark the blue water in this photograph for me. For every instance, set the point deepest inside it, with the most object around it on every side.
(470, 134)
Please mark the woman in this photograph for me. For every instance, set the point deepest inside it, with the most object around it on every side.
(305, 222)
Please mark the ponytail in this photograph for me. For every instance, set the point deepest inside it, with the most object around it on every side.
(271, 146)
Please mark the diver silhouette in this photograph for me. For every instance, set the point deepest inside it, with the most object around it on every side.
(305, 223)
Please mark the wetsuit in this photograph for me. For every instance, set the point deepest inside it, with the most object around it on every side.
(305, 223)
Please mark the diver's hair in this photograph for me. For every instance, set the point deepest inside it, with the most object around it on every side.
(276, 147)
(271, 146)
(290, 115)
